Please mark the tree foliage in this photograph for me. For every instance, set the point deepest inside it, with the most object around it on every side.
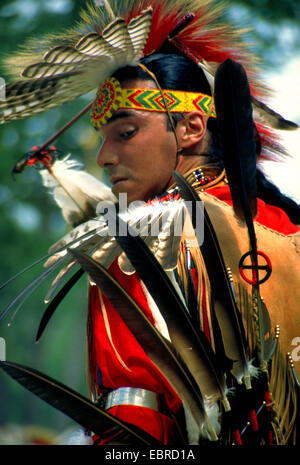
(274, 11)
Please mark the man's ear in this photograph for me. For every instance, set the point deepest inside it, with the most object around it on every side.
(191, 129)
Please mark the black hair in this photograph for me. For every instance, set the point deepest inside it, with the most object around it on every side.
(177, 72)
(171, 71)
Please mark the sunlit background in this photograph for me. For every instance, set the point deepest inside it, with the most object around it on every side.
(287, 102)
(30, 221)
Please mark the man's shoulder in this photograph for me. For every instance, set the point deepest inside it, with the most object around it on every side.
(269, 216)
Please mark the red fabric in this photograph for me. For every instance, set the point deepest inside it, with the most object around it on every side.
(155, 423)
(267, 215)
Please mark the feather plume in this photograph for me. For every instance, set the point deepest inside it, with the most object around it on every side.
(265, 115)
(264, 329)
(60, 255)
(62, 66)
(29, 288)
(93, 238)
(159, 224)
(158, 219)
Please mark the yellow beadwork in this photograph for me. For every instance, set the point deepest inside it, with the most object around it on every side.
(111, 97)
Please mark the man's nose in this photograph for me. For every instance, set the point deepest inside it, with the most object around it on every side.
(107, 156)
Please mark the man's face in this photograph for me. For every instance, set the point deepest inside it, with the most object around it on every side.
(138, 151)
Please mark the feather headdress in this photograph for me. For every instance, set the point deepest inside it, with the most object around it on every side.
(112, 34)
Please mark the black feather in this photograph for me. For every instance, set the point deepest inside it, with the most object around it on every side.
(235, 122)
(236, 127)
(71, 403)
(55, 303)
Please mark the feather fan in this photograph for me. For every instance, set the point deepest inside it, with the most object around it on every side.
(74, 65)
(227, 313)
(201, 359)
(93, 237)
(159, 350)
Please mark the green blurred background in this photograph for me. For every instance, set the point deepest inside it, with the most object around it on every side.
(31, 222)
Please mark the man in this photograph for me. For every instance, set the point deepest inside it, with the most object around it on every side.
(140, 153)
(157, 117)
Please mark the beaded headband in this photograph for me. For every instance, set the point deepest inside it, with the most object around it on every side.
(111, 97)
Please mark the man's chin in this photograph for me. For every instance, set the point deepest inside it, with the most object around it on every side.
(126, 192)
(120, 187)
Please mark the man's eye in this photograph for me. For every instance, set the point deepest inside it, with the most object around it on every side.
(127, 134)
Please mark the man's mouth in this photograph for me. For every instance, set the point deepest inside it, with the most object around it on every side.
(116, 180)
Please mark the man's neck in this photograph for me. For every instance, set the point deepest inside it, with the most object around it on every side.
(199, 166)
(187, 162)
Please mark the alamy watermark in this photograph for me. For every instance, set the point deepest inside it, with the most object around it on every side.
(2, 89)
(142, 219)
(295, 353)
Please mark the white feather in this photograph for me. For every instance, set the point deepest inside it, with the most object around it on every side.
(155, 223)
(252, 370)
(193, 429)
(208, 429)
(76, 192)
(213, 414)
